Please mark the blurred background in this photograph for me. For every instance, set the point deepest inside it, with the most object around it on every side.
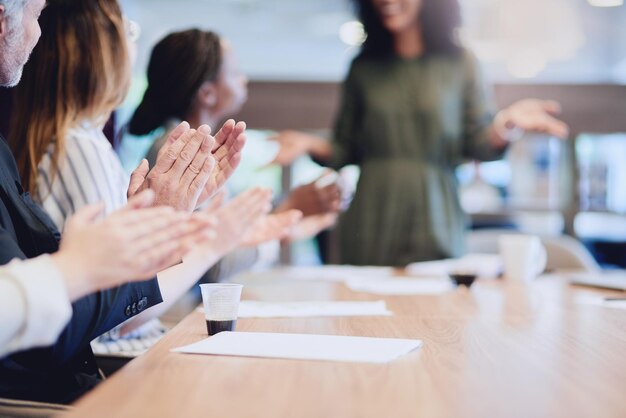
(296, 52)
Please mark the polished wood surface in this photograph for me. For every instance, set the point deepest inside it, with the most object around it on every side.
(500, 349)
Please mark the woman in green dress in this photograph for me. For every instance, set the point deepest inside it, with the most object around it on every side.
(413, 108)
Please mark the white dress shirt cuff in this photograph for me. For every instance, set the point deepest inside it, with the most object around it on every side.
(46, 304)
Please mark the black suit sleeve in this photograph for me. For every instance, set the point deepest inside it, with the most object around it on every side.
(8, 248)
(94, 314)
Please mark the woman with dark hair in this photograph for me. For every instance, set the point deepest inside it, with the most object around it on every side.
(413, 108)
(205, 88)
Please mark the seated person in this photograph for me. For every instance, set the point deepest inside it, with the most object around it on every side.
(64, 157)
(62, 372)
(132, 244)
(207, 87)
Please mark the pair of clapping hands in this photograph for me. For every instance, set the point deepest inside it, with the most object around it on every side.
(158, 226)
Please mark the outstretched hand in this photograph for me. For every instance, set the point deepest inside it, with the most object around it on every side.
(533, 115)
(276, 226)
(232, 222)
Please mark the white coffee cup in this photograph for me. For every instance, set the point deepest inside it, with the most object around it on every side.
(524, 256)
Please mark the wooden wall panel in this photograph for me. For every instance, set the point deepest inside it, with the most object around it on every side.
(312, 105)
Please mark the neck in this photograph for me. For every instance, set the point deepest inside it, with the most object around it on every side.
(199, 117)
(409, 43)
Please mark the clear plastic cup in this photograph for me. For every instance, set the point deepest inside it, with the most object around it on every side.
(221, 306)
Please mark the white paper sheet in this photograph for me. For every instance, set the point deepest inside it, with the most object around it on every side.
(303, 347)
(600, 301)
(484, 265)
(333, 273)
(255, 309)
(421, 286)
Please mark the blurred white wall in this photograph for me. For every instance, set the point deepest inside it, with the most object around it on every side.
(299, 39)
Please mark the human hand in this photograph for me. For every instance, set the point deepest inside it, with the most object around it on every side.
(183, 168)
(294, 144)
(229, 142)
(272, 227)
(131, 244)
(310, 226)
(318, 197)
(232, 222)
(531, 115)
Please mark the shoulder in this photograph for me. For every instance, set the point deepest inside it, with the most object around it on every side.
(469, 60)
(364, 67)
(82, 137)
(7, 161)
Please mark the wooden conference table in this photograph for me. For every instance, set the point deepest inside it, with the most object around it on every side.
(500, 349)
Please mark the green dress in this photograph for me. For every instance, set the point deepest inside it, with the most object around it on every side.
(408, 123)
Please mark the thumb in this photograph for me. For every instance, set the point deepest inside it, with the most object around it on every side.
(140, 200)
(137, 177)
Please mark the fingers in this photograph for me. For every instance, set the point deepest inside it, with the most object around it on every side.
(140, 200)
(165, 162)
(177, 133)
(544, 123)
(199, 183)
(258, 206)
(232, 143)
(330, 198)
(198, 163)
(552, 106)
(555, 127)
(203, 229)
(158, 258)
(156, 230)
(224, 169)
(86, 215)
(223, 134)
(188, 152)
(140, 223)
(272, 227)
(137, 177)
(216, 202)
(247, 208)
(169, 154)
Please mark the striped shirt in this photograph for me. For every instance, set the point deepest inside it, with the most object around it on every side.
(89, 172)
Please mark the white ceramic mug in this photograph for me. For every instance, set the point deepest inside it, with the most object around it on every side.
(524, 256)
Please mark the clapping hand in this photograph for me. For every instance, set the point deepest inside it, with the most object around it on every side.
(182, 170)
(192, 165)
(232, 221)
(131, 244)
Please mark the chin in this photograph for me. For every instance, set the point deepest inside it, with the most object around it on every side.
(393, 25)
(13, 78)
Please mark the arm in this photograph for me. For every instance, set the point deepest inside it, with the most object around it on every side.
(131, 244)
(35, 306)
(480, 142)
(232, 222)
(337, 153)
(487, 137)
(345, 146)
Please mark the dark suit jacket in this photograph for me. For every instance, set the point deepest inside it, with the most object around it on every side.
(66, 370)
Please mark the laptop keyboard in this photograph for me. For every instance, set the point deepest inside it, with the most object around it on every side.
(131, 345)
